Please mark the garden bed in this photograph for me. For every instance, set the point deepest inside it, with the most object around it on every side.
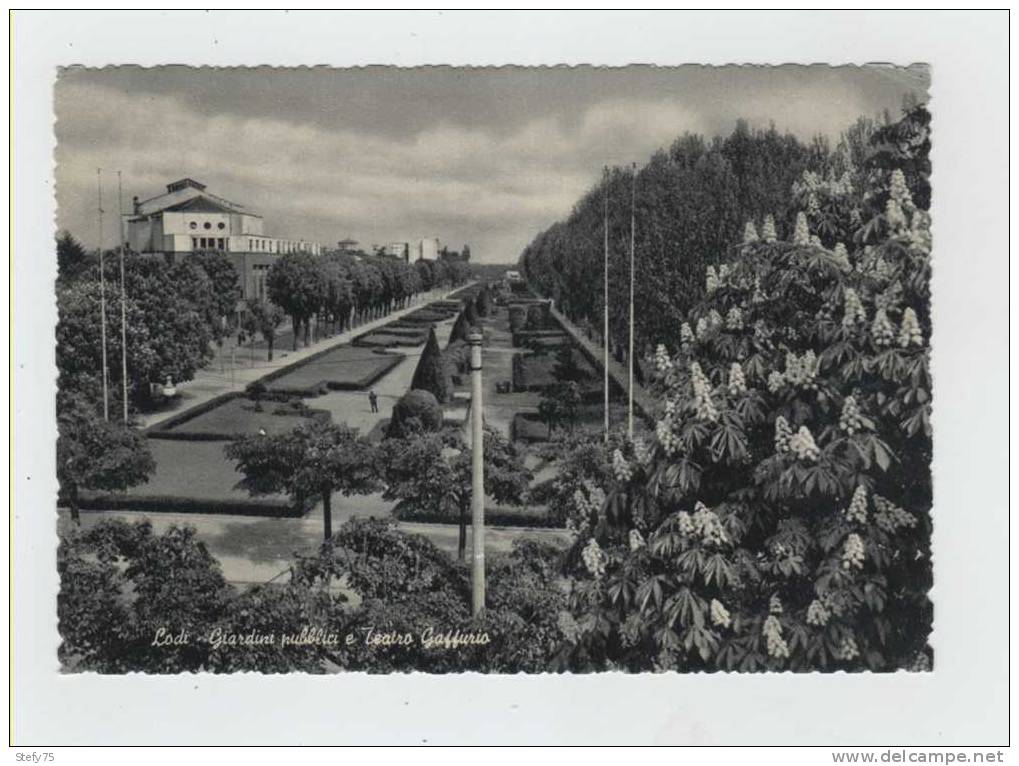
(343, 368)
(534, 372)
(234, 418)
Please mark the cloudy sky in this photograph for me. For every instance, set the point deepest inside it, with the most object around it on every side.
(485, 156)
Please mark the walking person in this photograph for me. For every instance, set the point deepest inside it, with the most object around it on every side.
(373, 399)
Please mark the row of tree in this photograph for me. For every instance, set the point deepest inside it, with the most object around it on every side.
(343, 289)
(692, 201)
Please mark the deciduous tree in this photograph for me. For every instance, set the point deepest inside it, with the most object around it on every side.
(312, 461)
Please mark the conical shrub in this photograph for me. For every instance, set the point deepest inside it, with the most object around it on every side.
(431, 374)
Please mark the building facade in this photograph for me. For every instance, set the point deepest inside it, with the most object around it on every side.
(188, 218)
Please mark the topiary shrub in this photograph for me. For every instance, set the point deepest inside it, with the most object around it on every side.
(461, 328)
(417, 411)
(517, 317)
(483, 302)
(431, 373)
(470, 312)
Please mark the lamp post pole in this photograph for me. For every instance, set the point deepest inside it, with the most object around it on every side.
(477, 480)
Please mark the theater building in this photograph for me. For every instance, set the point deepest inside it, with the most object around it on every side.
(188, 218)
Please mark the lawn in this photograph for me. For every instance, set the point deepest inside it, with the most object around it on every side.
(192, 476)
(237, 417)
(340, 368)
(533, 372)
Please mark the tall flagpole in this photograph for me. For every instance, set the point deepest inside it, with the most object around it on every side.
(102, 300)
(633, 226)
(605, 336)
(123, 296)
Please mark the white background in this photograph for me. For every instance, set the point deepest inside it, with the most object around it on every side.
(964, 702)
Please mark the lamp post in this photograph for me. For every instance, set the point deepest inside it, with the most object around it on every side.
(477, 480)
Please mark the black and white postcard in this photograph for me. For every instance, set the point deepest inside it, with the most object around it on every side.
(628, 371)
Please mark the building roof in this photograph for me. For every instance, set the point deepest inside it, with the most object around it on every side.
(183, 184)
(200, 204)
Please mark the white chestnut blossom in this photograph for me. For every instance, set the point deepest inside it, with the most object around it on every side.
(801, 234)
(737, 381)
(594, 559)
(620, 467)
(881, 330)
(802, 445)
(842, 256)
(636, 540)
(817, 614)
(662, 361)
(909, 333)
(720, 616)
(850, 420)
(783, 433)
(853, 552)
(852, 307)
(777, 646)
(686, 334)
(712, 283)
(857, 510)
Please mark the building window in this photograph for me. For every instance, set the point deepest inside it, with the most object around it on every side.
(208, 225)
(193, 224)
(221, 225)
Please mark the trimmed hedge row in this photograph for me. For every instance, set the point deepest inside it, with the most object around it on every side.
(157, 430)
(213, 436)
(523, 518)
(173, 504)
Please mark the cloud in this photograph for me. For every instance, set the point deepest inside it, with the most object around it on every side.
(491, 177)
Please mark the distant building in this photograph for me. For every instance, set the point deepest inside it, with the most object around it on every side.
(348, 246)
(428, 249)
(188, 218)
(399, 250)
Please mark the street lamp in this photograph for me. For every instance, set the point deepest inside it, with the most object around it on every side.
(477, 479)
